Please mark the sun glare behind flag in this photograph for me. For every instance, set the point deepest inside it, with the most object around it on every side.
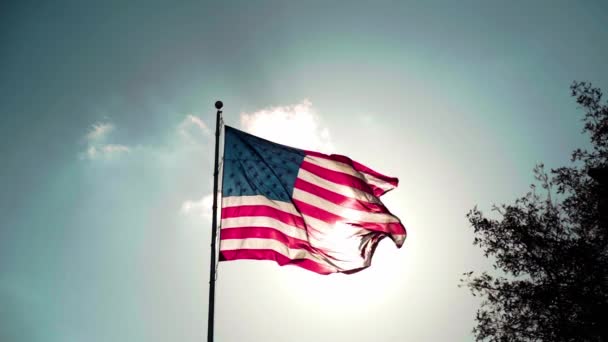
(320, 212)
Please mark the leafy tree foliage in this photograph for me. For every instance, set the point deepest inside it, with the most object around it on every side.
(550, 248)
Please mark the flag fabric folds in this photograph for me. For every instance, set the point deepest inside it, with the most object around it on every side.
(317, 211)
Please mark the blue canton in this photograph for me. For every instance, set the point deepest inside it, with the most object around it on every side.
(255, 166)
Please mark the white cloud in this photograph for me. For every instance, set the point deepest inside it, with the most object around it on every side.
(106, 151)
(201, 207)
(96, 148)
(99, 131)
(112, 148)
(192, 127)
(195, 120)
(296, 125)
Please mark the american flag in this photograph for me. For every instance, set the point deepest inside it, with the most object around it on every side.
(317, 211)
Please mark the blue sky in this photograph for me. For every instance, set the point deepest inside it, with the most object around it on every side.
(105, 115)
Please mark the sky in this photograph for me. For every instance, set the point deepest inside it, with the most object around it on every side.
(106, 140)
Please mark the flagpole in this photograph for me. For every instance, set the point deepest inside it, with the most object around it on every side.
(218, 119)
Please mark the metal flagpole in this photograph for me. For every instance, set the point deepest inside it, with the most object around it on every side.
(218, 119)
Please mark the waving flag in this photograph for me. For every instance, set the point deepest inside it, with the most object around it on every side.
(320, 212)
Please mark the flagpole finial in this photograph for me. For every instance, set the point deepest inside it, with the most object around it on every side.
(218, 104)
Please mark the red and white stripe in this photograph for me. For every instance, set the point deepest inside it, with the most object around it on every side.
(332, 224)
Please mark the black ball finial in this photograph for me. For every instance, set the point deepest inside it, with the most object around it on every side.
(218, 105)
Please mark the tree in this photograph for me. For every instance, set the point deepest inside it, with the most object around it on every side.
(549, 248)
